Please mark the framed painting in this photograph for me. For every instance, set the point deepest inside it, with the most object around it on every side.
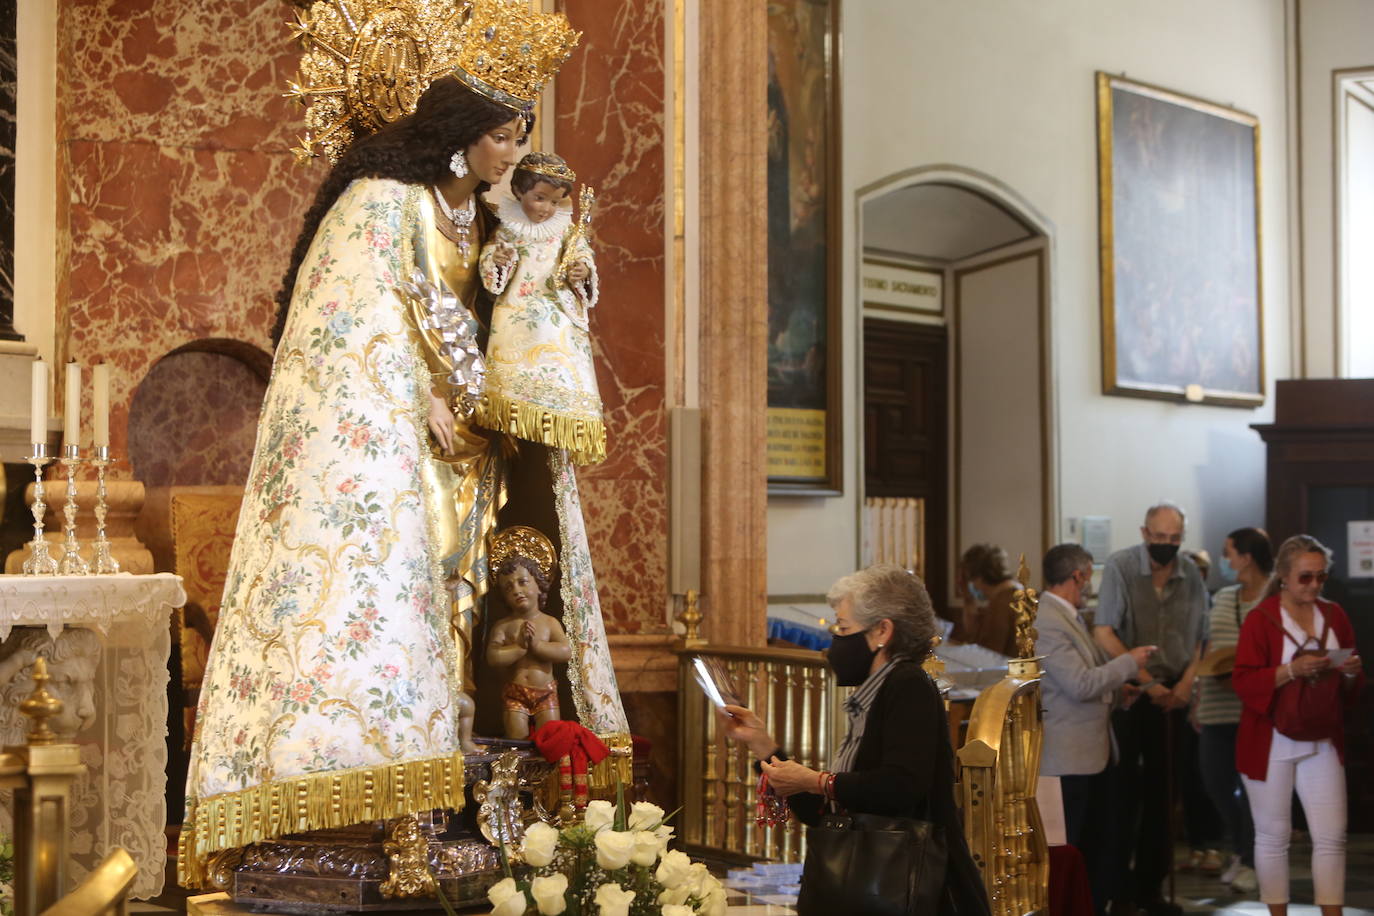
(803, 438)
(1179, 220)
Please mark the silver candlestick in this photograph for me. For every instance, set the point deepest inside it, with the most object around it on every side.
(71, 563)
(104, 563)
(40, 562)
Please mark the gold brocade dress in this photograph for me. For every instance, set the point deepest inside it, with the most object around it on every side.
(468, 486)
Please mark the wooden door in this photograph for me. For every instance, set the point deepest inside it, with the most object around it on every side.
(906, 429)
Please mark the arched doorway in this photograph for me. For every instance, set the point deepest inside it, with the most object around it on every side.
(957, 372)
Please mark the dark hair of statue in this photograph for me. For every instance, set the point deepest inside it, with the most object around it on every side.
(511, 564)
(1253, 543)
(522, 181)
(415, 149)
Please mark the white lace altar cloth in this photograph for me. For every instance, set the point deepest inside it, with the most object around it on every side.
(121, 801)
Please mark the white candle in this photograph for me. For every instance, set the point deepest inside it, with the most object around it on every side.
(71, 429)
(100, 380)
(38, 403)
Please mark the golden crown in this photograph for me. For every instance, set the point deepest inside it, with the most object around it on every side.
(509, 51)
(521, 541)
(365, 63)
(547, 164)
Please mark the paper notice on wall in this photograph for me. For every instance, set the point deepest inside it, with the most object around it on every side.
(1097, 537)
(1360, 550)
(1049, 796)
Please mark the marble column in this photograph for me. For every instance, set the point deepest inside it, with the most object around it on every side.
(734, 318)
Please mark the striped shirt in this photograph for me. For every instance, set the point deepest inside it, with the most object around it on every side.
(856, 707)
(1217, 702)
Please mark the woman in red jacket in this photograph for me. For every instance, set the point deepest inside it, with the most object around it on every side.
(1289, 635)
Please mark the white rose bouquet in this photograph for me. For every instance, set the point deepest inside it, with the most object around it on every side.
(615, 863)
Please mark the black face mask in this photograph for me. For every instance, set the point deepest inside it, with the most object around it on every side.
(1163, 554)
(851, 658)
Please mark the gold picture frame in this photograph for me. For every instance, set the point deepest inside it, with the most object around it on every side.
(1180, 246)
(804, 438)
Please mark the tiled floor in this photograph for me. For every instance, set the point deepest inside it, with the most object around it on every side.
(1199, 893)
(769, 890)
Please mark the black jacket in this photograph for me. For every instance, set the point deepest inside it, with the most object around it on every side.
(904, 767)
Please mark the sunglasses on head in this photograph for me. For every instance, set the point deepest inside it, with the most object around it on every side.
(1307, 578)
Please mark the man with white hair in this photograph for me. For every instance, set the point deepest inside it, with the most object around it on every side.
(1152, 595)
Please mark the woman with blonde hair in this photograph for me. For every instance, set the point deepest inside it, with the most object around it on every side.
(1292, 675)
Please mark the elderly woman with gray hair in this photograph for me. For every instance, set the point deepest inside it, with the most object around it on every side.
(896, 759)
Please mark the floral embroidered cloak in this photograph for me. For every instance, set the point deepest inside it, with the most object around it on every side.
(330, 692)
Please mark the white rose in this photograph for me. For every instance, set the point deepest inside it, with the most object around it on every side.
(672, 871)
(507, 899)
(714, 904)
(613, 849)
(548, 893)
(664, 833)
(599, 814)
(673, 896)
(647, 848)
(540, 842)
(644, 816)
(612, 900)
(696, 879)
(709, 885)
(676, 909)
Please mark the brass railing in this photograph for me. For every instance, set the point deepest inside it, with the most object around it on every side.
(794, 693)
(999, 769)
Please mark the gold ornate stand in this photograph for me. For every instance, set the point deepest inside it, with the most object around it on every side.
(394, 865)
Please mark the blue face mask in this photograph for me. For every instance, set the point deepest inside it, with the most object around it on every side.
(976, 594)
(1228, 573)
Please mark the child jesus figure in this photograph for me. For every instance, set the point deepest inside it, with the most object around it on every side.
(541, 384)
(527, 640)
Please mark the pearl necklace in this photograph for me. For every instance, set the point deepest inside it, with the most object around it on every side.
(462, 218)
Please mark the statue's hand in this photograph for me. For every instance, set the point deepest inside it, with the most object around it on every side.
(578, 273)
(504, 256)
(527, 634)
(441, 422)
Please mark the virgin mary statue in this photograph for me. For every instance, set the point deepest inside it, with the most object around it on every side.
(334, 691)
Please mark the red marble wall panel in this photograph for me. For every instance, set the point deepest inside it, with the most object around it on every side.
(611, 129)
(182, 200)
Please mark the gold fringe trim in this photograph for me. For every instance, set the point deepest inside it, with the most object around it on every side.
(315, 802)
(584, 439)
(617, 768)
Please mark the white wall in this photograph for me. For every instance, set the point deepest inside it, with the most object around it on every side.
(1000, 492)
(1006, 88)
(1333, 35)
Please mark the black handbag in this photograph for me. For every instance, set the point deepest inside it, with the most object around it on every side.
(872, 865)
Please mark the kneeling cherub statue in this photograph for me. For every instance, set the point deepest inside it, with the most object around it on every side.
(527, 641)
